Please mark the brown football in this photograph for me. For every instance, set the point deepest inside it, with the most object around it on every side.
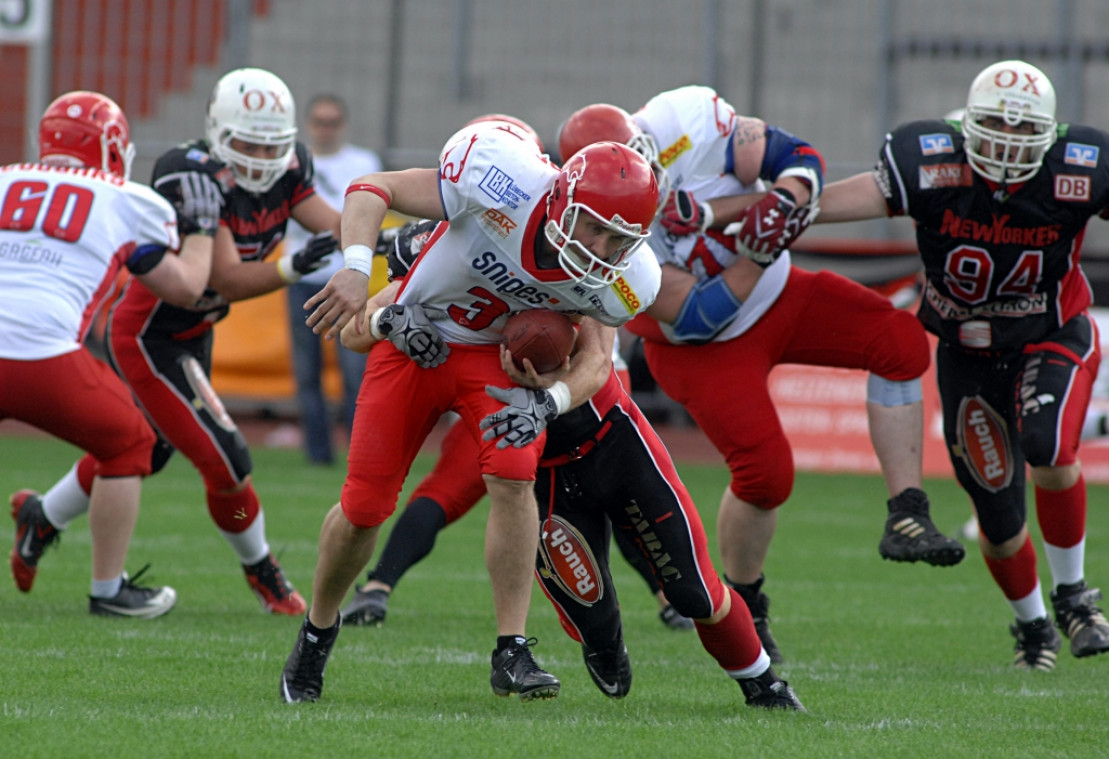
(540, 335)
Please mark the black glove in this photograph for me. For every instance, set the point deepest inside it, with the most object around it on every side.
(401, 245)
(409, 328)
(527, 414)
(198, 209)
(312, 255)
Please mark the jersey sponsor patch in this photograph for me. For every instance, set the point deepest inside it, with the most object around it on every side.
(498, 221)
(934, 144)
(197, 156)
(983, 444)
(945, 175)
(627, 295)
(568, 560)
(1077, 154)
(499, 186)
(1072, 187)
(671, 154)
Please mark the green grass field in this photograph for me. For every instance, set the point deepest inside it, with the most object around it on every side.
(891, 660)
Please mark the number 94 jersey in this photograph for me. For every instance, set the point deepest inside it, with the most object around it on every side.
(1002, 264)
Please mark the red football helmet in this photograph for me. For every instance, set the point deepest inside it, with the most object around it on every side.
(86, 129)
(615, 185)
(603, 122)
(513, 121)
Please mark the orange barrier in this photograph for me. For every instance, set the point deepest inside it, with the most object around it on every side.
(252, 354)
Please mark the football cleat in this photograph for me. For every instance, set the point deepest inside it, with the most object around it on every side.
(673, 619)
(1080, 619)
(275, 593)
(367, 607)
(768, 691)
(910, 535)
(515, 671)
(759, 605)
(302, 678)
(610, 668)
(33, 534)
(1037, 644)
(135, 601)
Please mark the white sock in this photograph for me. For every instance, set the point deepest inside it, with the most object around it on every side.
(249, 545)
(1066, 563)
(65, 501)
(1031, 606)
(106, 588)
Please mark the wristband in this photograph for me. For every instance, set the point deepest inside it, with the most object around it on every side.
(560, 394)
(286, 270)
(364, 187)
(359, 257)
(374, 319)
(707, 216)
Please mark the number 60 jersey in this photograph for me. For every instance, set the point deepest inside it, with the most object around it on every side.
(484, 262)
(64, 234)
(1002, 263)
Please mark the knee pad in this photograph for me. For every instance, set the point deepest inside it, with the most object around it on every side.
(891, 393)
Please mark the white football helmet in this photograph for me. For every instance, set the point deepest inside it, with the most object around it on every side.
(254, 106)
(1017, 93)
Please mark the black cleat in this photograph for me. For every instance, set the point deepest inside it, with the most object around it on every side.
(366, 607)
(910, 535)
(515, 671)
(1037, 644)
(135, 601)
(768, 691)
(610, 668)
(673, 619)
(1078, 616)
(33, 534)
(759, 606)
(302, 678)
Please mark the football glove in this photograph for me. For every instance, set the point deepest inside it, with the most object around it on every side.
(519, 423)
(199, 205)
(768, 227)
(682, 215)
(409, 328)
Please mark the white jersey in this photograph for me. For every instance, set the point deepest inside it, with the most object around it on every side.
(692, 127)
(64, 234)
(482, 265)
(333, 172)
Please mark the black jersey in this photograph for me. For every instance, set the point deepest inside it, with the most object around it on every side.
(257, 223)
(1002, 264)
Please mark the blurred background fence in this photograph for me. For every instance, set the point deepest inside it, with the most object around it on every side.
(837, 72)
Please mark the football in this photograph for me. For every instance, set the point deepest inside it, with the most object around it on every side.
(540, 335)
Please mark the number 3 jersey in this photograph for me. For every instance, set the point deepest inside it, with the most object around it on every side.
(64, 234)
(488, 259)
(1002, 264)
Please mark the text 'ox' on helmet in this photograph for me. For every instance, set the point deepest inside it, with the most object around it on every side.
(254, 106)
(1020, 96)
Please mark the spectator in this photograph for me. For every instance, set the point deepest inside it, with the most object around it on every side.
(336, 163)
